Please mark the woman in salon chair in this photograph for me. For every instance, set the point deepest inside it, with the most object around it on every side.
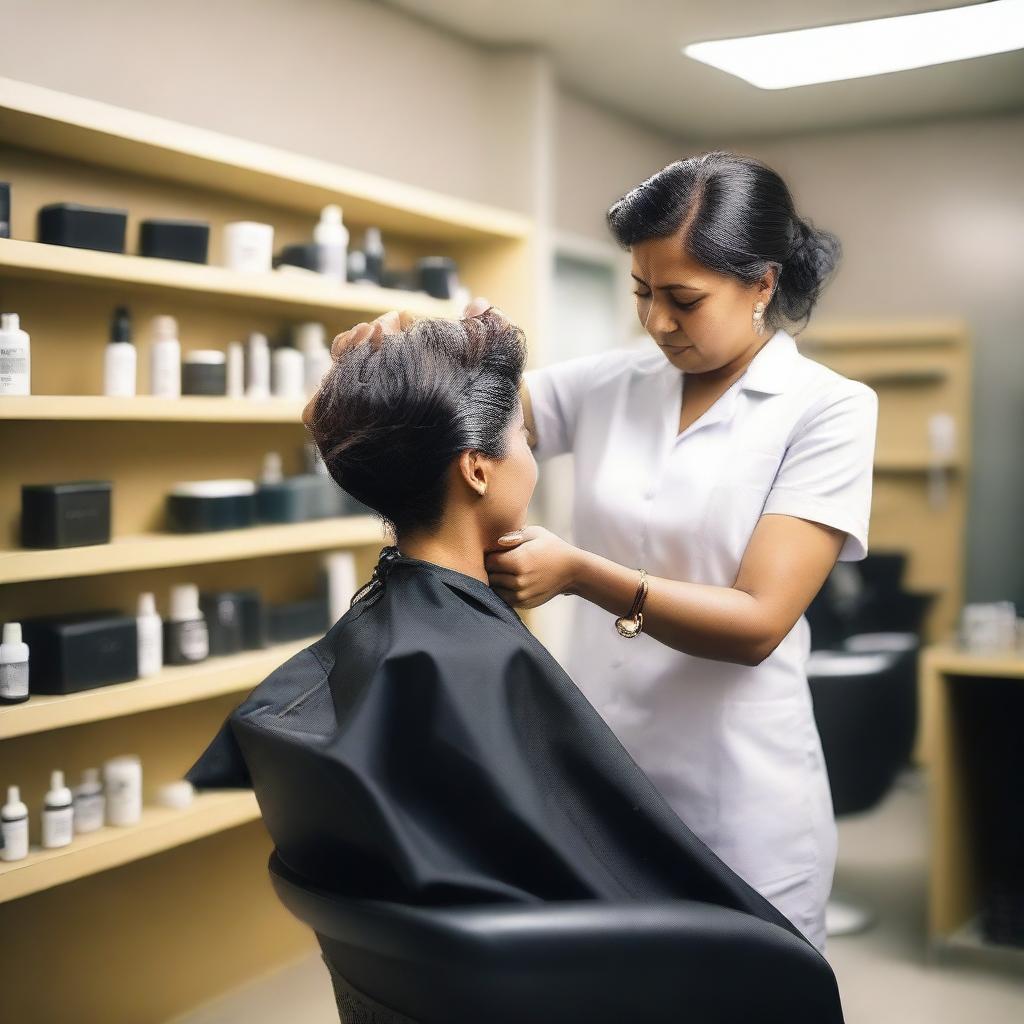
(429, 750)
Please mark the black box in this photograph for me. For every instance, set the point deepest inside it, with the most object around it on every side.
(65, 515)
(187, 240)
(297, 620)
(254, 619)
(83, 227)
(195, 508)
(223, 614)
(235, 619)
(304, 254)
(68, 653)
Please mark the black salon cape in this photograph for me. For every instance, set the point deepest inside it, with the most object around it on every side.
(430, 750)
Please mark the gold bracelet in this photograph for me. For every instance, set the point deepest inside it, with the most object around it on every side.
(631, 624)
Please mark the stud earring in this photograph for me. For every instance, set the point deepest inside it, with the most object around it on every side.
(757, 317)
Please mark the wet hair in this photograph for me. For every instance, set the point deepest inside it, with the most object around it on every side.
(737, 217)
(390, 417)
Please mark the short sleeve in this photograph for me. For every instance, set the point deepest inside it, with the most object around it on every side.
(557, 393)
(827, 470)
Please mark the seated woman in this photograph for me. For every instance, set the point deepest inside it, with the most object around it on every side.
(429, 749)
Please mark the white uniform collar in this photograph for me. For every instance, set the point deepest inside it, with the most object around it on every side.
(771, 370)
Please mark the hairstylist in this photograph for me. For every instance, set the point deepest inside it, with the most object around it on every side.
(719, 475)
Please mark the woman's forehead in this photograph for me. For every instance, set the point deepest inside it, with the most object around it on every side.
(663, 262)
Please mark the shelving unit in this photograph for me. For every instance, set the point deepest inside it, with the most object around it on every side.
(172, 686)
(145, 408)
(160, 550)
(161, 828)
(293, 292)
(205, 865)
(918, 368)
(954, 684)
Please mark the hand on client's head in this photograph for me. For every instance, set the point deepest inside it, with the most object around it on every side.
(393, 322)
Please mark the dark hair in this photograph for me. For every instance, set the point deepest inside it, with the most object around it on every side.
(738, 218)
(389, 418)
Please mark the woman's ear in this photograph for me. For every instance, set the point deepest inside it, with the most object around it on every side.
(473, 470)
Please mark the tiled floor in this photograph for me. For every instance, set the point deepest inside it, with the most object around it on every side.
(884, 973)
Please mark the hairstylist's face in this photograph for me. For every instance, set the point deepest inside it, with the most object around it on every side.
(508, 483)
(701, 319)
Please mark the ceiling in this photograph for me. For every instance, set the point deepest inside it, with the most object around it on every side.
(626, 55)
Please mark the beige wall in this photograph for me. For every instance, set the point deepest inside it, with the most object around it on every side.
(932, 221)
(598, 157)
(349, 81)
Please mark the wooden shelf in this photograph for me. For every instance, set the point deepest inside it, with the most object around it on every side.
(145, 408)
(160, 829)
(173, 685)
(910, 462)
(285, 292)
(876, 333)
(162, 550)
(36, 118)
(955, 662)
(923, 377)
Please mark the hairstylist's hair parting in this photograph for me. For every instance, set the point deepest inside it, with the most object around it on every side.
(737, 218)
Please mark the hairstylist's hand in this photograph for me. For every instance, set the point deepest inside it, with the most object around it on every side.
(397, 320)
(532, 566)
(391, 322)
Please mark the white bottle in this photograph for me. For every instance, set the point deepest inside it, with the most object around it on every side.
(258, 367)
(122, 779)
(331, 236)
(340, 568)
(14, 824)
(89, 802)
(13, 665)
(58, 814)
(119, 362)
(310, 339)
(235, 370)
(165, 358)
(273, 470)
(150, 629)
(186, 635)
(289, 373)
(15, 357)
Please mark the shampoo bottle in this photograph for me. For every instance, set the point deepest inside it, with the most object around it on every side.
(13, 665)
(165, 358)
(119, 364)
(15, 357)
(149, 627)
(14, 827)
(89, 802)
(186, 639)
(58, 813)
(331, 238)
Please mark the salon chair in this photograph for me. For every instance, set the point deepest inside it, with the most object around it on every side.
(866, 597)
(865, 706)
(559, 963)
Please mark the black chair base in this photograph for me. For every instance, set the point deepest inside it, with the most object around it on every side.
(355, 1007)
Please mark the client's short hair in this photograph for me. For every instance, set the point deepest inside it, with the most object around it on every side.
(389, 418)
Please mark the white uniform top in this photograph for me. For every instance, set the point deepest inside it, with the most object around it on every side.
(734, 749)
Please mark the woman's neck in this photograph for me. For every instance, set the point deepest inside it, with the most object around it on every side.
(459, 554)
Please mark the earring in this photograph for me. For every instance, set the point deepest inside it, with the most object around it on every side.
(757, 318)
